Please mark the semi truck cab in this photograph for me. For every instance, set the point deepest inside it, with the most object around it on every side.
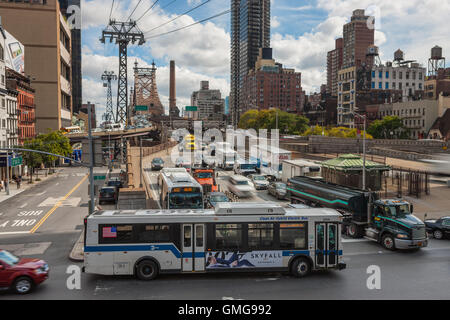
(393, 224)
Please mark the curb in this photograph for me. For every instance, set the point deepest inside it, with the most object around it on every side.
(77, 253)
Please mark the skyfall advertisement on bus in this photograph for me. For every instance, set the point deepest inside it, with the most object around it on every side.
(253, 259)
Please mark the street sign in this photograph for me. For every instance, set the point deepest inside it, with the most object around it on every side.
(191, 108)
(16, 162)
(141, 108)
(13, 162)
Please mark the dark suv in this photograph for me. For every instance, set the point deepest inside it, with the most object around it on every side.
(115, 182)
(108, 194)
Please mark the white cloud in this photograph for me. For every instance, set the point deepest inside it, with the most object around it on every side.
(308, 53)
(274, 23)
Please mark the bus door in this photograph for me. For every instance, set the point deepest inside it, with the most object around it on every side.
(193, 255)
(327, 244)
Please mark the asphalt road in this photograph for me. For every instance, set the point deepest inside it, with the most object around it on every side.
(57, 204)
(422, 274)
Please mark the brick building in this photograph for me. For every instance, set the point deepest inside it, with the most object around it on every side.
(269, 85)
(26, 108)
(334, 64)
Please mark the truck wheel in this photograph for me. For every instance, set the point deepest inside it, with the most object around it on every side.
(300, 268)
(388, 242)
(146, 270)
(437, 234)
(354, 230)
(23, 285)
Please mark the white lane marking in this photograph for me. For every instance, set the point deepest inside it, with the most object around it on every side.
(355, 240)
(155, 196)
(51, 202)
(23, 206)
(11, 233)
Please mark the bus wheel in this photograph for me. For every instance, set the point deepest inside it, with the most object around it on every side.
(146, 270)
(388, 242)
(300, 268)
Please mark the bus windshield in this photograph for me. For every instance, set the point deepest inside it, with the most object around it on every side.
(185, 201)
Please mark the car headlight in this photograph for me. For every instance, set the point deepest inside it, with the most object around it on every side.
(402, 236)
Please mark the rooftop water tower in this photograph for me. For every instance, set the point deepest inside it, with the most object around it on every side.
(436, 61)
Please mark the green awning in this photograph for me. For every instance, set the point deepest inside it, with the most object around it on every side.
(348, 162)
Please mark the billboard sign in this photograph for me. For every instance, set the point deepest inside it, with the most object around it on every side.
(15, 54)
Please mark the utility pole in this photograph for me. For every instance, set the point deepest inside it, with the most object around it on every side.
(140, 165)
(123, 33)
(364, 149)
(91, 167)
(108, 76)
(7, 174)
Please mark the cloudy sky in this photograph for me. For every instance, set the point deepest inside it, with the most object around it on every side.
(302, 32)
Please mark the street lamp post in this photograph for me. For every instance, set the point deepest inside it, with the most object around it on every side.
(364, 150)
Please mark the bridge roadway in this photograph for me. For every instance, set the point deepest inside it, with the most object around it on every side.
(112, 134)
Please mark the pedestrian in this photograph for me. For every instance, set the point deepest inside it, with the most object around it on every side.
(18, 181)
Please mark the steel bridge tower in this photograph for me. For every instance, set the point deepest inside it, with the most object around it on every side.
(107, 77)
(123, 33)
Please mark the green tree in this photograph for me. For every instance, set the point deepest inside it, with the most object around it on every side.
(32, 159)
(57, 143)
(288, 123)
(390, 127)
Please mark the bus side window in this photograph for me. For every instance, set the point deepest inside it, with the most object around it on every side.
(187, 236)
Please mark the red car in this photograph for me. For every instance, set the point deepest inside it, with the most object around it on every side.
(21, 275)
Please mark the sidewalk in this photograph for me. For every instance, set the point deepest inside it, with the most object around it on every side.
(13, 191)
(77, 253)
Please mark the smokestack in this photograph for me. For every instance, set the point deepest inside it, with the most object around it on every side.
(172, 93)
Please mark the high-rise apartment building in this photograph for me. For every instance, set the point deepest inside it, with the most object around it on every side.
(46, 37)
(250, 30)
(70, 9)
(334, 64)
(268, 85)
(209, 103)
(359, 35)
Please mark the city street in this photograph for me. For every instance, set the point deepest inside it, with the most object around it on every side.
(422, 274)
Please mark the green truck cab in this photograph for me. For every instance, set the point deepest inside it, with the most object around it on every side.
(388, 222)
(392, 223)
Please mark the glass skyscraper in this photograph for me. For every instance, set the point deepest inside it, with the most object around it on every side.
(250, 30)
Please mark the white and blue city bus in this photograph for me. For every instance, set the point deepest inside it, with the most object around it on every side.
(232, 237)
(179, 190)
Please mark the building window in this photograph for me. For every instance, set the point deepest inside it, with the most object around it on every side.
(387, 85)
(380, 85)
(373, 84)
(387, 74)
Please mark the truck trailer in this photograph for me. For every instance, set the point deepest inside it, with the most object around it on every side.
(389, 222)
